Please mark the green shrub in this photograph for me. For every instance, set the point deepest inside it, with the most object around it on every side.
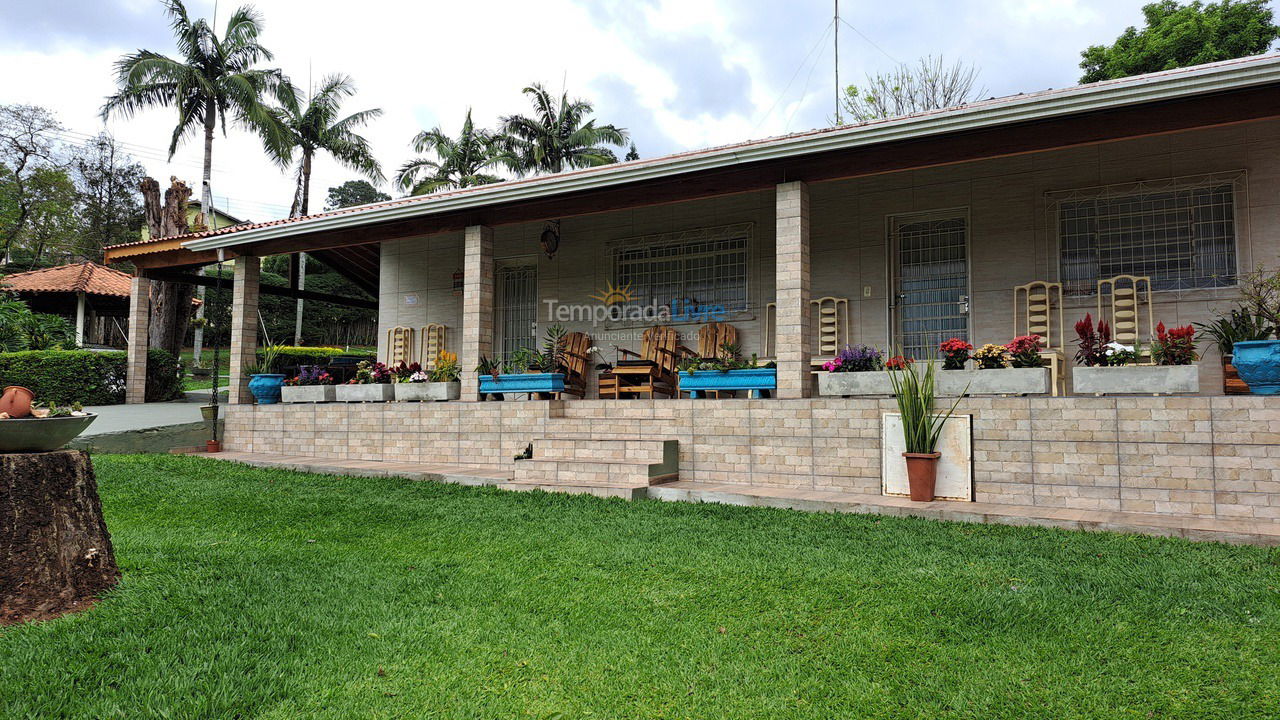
(87, 377)
(291, 355)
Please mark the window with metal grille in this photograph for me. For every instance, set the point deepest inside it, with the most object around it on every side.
(517, 308)
(698, 267)
(1180, 233)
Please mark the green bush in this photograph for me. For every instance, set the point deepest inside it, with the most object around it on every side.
(86, 377)
(292, 355)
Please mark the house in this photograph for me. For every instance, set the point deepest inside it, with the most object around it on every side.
(916, 228)
(95, 296)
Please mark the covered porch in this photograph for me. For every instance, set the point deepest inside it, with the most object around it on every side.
(898, 234)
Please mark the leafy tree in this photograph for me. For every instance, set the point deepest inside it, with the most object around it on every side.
(930, 85)
(632, 154)
(1182, 35)
(214, 77)
(352, 193)
(558, 136)
(21, 329)
(53, 221)
(313, 124)
(459, 162)
(109, 205)
(26, 145)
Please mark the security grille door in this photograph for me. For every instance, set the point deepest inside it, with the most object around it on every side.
(517, 311)
(931, 301)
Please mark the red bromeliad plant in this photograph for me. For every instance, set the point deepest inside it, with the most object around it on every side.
(1175, 346)
(1092, 343)
(955, 353)
(1024, 351)
(897, 362)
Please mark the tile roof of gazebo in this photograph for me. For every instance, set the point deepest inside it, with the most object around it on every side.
(87, 277)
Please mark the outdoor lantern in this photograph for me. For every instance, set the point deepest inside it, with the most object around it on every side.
(550, 240)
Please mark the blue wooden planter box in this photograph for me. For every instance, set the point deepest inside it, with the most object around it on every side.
(758, 382)
(522, 383)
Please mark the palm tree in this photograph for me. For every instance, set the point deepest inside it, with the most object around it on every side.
(312, 124)
(214, 77)
(556, 138)
(460, 162)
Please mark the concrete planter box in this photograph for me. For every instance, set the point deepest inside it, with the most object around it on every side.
(758, 382)
(307, 393)
(1003, 381)
(372, 392)
(1136, 380)
(855, 383)
(428, 391)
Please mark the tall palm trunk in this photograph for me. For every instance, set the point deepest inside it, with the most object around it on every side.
(301, 202)
(206, 205)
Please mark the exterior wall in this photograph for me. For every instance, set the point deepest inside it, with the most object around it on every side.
(1196, 456)
(1012, 239)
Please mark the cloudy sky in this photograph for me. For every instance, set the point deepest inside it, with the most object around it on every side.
(678, 74)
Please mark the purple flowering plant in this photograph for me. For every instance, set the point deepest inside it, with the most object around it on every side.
(859, 358)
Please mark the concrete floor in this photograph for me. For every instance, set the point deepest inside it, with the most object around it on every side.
(123, 418)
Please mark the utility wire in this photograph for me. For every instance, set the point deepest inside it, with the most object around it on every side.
(794, 75)
(804, 92)
(871, 42)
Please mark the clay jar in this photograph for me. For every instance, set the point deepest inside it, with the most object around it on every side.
(16, 401)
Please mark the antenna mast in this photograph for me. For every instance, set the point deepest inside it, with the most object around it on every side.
(836, 21)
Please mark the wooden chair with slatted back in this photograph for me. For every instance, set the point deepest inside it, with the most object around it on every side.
(648, 372)
(1125, 302)
(1037, 310)
(400, 345)
(433, 341)
(711, 341)
(829, 318)
(576, 361)
(770, 334)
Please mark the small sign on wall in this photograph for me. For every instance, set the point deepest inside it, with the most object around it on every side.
(955, 467)
(410, 299)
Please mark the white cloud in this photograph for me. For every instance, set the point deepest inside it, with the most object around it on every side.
(679, 73)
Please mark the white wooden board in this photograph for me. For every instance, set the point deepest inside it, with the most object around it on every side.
(955, 468)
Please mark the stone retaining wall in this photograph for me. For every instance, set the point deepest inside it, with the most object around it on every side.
(1192, 456)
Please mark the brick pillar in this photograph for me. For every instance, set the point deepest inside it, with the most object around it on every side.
(244, 328)
(135, 389)
(792, 288)
(477, 305)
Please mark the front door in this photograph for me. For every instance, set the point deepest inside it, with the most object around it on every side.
(516, 314)
(931, 281)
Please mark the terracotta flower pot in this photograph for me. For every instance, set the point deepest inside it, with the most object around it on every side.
(16, 401)
(922, 474)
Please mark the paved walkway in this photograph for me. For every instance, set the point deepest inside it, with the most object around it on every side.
(122, 418)
(1253, 532)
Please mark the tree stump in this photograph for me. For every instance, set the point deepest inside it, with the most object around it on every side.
(55, 552)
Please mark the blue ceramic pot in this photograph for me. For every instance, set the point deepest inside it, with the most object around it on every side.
(1258, 362)
(266, 388)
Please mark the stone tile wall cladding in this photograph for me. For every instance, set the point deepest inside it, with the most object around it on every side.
(1193, 456)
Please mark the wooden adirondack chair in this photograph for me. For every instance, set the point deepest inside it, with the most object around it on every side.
(711, 341)
(651, 371)
(1037, 310)
(400, 345)
(432, 343)
(576, 360)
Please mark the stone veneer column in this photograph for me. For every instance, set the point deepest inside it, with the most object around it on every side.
(244, 328)
(135, 388)
(477, 305)
(792, 289)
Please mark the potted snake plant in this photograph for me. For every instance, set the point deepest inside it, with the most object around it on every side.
(921, 426)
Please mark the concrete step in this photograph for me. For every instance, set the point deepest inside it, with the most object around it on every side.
(593, 474)
(636, 452)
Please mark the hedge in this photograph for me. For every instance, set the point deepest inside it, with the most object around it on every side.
(86, 377)
(291, 355)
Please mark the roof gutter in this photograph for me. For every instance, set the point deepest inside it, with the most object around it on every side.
(1159, 87)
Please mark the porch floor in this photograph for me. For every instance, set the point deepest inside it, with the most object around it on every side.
(1243, 531)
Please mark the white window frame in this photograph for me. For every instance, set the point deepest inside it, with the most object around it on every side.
(738, 231)
(1054, 200)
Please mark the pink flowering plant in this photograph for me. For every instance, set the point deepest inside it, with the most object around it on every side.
(368, 373)
(860, 358)
(955, 353)
(1024, 351)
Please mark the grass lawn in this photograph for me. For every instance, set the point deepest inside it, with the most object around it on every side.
(269, 594)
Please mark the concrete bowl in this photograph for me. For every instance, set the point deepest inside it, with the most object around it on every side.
(41, 434)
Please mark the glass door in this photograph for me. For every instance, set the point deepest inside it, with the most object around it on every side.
(516, 314)
(931, 281)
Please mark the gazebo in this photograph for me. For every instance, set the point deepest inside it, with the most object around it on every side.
(95, 295)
